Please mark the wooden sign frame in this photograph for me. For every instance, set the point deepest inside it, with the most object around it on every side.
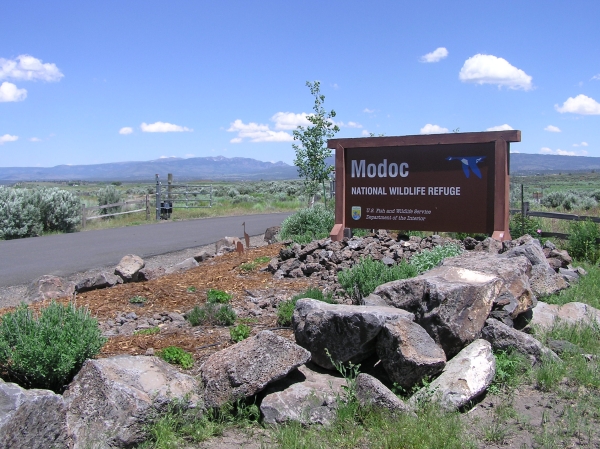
(498, 141)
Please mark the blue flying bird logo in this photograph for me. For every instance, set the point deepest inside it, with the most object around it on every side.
(468, 163)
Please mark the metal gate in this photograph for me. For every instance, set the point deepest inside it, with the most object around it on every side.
(180, 196)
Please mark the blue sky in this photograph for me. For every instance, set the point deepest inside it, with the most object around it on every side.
(91, 82)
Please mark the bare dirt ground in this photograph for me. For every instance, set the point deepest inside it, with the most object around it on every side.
(525, 417)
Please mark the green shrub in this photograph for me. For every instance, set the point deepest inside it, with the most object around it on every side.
(212, 313)
(533, 226)
(109, 195)
(150, 331)
(285, 309)
(364, 277)
(239, 332)
(176, 356)
(430, 258)
(47, 350)
(308, 224)
(510, 365)
(582, 240)
(137, 300)
(214, 296)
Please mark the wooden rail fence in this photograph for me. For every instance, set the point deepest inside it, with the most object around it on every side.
(85, 218)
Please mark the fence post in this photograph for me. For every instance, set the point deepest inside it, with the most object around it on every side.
(157, 198)
(82, 216)
(147, 207)
(169, 190)
(522, 212)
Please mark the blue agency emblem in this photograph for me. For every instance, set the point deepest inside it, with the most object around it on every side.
(356, 211)
(469, 164)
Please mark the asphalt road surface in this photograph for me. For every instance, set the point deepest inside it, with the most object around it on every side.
(23, 260)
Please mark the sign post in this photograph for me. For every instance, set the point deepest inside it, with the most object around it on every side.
(439, 182)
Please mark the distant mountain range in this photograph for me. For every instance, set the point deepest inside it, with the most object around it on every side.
(240, 168)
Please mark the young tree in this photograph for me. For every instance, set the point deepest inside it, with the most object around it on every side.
(312, 150)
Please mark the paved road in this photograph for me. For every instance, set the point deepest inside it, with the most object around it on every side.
(24, 260)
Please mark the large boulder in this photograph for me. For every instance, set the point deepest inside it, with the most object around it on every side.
(545, 281)
(101, 280)
(306, 396)
(450, 303)
(31, 418)
(514, 272)
(370, 392)
(408, 353)
(505, 338)
(545, 315)
(185, 265)
(531, 249)
(49, 287)
(244, 369)
(226, 242)
(111, 400)
(464, 378)
(129, 267)
(347, 332)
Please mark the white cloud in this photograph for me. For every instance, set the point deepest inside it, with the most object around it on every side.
(290, 120)
(25, 67)
(162, 127)
(433, 129)
(365, 133)
(10, 92)
(436, 55)
(514, 151)
(35, 139)
(126, 130)
(504, 127)
(596, 77)
(8, 138)
(581, 104)
(348, 124)
(552, 129)
(489, 69)
(368, 111)
(582, 144)
(257, 133)
(558, 151)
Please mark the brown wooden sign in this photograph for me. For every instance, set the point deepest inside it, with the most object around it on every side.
(445, 182)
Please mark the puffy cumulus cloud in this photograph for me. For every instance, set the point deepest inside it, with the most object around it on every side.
(126, 130)
(257, 133)
(490, 69)
(9, 92)
(26, 67)
(162, 127)
(582, 144)
(581, 104)
(504, 127)
(436, 55)
(552, 129)
(365, 133)
(8, 138)
(289, 120)
(559, 152)
(433, 129)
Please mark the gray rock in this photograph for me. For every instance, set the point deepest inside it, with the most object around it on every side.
(271, 234)
(561, 255)
(102, 280)
(408, 353)
(183, 266)
(247, 367)
(560, 346)
(370, 392)
(129, 267)
(450, 303)
(532, 250)
(549, 245)
(489, 245)
(545, 281)
(111, 400)
(306, 396)
(202, 256)
(464, 378)
(373, 300)
(514, 272)
(571, 276)
(31, 418)
(148, 274)
(229, 242)
(545, 315)
(504, 338)
(348, 332)
(49, 287)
